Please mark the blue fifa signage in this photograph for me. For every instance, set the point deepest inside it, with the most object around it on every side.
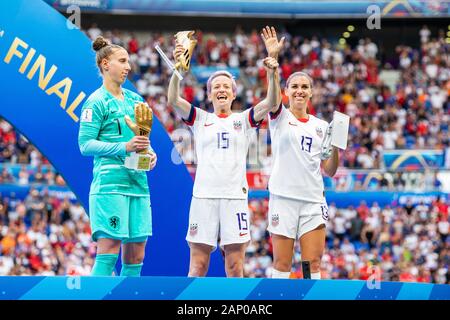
(413, 159)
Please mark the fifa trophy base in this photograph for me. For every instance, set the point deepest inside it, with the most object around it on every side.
(138, 161)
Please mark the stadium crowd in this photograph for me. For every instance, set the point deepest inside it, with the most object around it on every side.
(43, 235)
(46, 235)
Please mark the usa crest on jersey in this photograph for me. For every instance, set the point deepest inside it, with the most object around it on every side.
(237, 124)
(275, 220)
(319, 132)
(193, 229)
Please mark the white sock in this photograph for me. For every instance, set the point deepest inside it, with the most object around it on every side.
(315, 275)
(280, 275)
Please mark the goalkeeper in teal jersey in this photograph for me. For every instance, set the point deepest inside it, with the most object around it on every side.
(119, 199)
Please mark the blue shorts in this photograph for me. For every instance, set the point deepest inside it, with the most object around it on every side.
(120, 217)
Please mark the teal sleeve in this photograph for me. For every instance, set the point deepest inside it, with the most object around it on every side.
(90, 125)
(94, 147)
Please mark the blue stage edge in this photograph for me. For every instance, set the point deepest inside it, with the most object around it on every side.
(182, 288)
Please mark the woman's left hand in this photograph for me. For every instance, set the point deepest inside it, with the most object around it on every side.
(153, 159)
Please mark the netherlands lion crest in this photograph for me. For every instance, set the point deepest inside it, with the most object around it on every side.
(114, 222)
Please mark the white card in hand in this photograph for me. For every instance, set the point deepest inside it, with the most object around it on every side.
(339, 134)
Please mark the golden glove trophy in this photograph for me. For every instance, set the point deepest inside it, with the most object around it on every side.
(188, 42)
(143, 126)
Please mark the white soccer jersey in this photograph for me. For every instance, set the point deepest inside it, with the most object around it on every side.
(296, 149)
(221, 147)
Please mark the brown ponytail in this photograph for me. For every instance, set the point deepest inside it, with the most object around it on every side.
(104, 49)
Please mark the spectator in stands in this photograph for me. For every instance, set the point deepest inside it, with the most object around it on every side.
(93, 32)
(6, 176)
(339, 226)
(24, 176)
(370, 230)
(424, 34)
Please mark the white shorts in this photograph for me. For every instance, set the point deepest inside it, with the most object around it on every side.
(224, 220)
(293, 218)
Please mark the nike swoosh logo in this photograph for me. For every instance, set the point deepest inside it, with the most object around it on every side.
(242, 234)
(292, 124)
(208, 124)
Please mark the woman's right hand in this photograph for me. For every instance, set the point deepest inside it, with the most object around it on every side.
(271, 64)
(178, 51)
(137, 144)
(273, 46)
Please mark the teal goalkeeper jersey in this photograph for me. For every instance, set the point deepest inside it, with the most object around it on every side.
(104, 134)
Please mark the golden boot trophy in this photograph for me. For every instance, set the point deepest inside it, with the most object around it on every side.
(143, 126)
(188, 42)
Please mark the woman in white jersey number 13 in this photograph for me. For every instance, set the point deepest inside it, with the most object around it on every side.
(219, 206)
(297, 205)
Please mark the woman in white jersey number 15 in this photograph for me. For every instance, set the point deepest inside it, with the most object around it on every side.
(219, 206)
(297, 205)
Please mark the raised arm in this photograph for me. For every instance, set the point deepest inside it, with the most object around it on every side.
(182, 107)
(273, 47)
(270, 103)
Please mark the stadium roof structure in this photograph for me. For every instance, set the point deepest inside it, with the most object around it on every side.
(260, 8)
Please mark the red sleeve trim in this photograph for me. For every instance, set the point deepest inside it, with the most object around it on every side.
(274, 115)
(251, 119)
